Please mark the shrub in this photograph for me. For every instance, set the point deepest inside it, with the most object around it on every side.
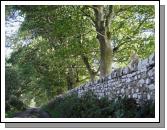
(146, 109)
(90, 106)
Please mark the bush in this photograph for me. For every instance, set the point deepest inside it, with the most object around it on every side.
(89, 106)
(13, 105)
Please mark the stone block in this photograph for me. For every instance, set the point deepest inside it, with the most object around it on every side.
(148, 81)
(141, 81)
(145, 63)
(144, 69)
(151, 72)
(138, 84)
(139, 96)
(124, 76)
(135, 95)
(118, 91)
(140, 66)
(137, 90)
(152, 59)
(128, 80)
(144, 96)
(125, 70)
(135, 77)
(122, 90)
(133, 74)
(151, 87)
(109, 77)
(129, 75)
(148, 96)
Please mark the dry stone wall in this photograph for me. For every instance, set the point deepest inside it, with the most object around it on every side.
(136, 82)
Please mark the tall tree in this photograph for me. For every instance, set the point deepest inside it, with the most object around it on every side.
(61, 47)
(108, 24)
(102, 25)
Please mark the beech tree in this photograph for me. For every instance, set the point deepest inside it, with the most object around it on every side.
(65, 46)
(64, 23)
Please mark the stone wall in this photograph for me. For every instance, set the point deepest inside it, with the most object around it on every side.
(136, 82)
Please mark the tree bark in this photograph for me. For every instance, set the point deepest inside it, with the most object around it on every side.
(71, 81)
(92, 73)
(102, 25)
(106, 59)
(85, 60)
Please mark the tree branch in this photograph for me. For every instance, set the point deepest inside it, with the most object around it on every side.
(109, 16)
(123, 9)
(91, 6)
(128, 38)
(85, 14)
(86, 62)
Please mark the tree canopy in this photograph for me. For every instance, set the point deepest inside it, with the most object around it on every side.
(58, 47)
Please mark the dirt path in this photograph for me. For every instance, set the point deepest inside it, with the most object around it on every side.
(32, 113)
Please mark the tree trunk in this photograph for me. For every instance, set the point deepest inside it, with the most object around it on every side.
(85, 60)
(106, 59)
(71, 81)
(92, 73)
(102, 24)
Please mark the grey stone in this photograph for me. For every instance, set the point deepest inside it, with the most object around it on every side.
(134, 95)
(123, 80)
(139, 96)
(148, 96)
(135, 78)
(138, 84)
(110, 77)
(141, 81)
(122, 90)
(144, 69)
(137, 90)
(145, 62)
(144, 96)
(151, 87)
(128, 80)
(152, 59)
(133, 74)
(151, 72)
(148, 81)
(129, 75)
(125, 70)
(124, 76)
(152, 80)
(140, 66)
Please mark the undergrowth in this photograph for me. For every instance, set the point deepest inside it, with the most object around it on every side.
(90, 106)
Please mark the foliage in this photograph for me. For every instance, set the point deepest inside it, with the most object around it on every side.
(90, 106)
(12, 92)
(52, 41)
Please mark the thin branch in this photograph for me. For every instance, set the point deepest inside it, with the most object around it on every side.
(96, 32)
(123, 9)
(97, 70)
(109, 16)
(86, 62)
(85, 14)
(91, 6)
(128, 38)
